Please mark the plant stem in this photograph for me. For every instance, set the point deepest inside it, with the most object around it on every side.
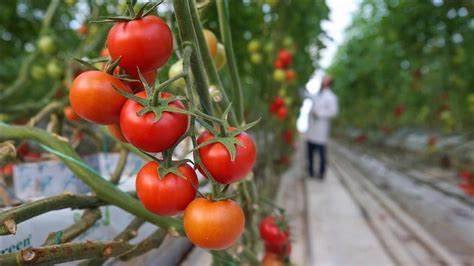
(151, 242)
(54, 254)
(237, 96)
(104, 189)
(88, 219)
(128, 233)
(117, 174)
(188, 37)
(209, 65)
(11, 217)
(51, 107)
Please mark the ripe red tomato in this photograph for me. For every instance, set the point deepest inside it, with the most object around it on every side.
(271, 233)
(167, 195)
(144, 133)
(288, 136)
(83, 30)
(213, 225)
(282, 112)
(115, 130)
(271, 259)
(216, 158)
(145, 43)
(7, 170)
(285, 57)
(94, 99)
(290, 75)
(70, 114)
(277, 103)
(278, 64)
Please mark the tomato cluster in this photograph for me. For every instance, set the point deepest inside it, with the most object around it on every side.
(157, 122)
(276, 236)
(278, 108)
(282, 71)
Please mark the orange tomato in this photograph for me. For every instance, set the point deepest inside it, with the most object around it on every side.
(70, 114)
(214, 225)
(211, 42)
(271, 259)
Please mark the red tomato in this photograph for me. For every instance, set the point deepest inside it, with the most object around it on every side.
(290, 75)
(282, 112)
(70, 114)
(288, 136)
(213, 225)
(280, 249)
(23, 149)
(115, 130)
(7, 170)
(167, 195)
(271, 233)
(144, 133)
(285, 57)
(271, 259)
(276, 104)
(94, 99)
(278, 64)
(216, 158)
(83, 30)
(104, 52)
(145, 43)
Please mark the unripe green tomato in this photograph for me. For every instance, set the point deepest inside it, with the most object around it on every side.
(269, 47)
(256, 58)
(70, 2)
(54, 69)
(470, 99)
(4, 117)
(282, 92)
(176, 69)
(288, 42)
(279, 75)
(46, 45)
(38, 72)
(253, 46)
(220, 58)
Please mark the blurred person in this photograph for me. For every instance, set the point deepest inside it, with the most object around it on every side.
(323, 109)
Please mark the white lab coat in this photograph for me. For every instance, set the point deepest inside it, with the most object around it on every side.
(323, 109)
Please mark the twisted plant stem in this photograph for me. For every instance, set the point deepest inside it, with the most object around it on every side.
(88, 219)
(103, 189)
(151, 242)
(115, 177)
(54, 254)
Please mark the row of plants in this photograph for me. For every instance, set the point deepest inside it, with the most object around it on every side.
(157, 82)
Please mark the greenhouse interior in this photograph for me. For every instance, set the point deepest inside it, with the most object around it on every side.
(237, 132)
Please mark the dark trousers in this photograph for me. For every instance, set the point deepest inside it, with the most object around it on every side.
(321, 149)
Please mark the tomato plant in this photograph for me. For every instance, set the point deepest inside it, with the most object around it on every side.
(166, 195)
(213, 225)
(94, 99)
